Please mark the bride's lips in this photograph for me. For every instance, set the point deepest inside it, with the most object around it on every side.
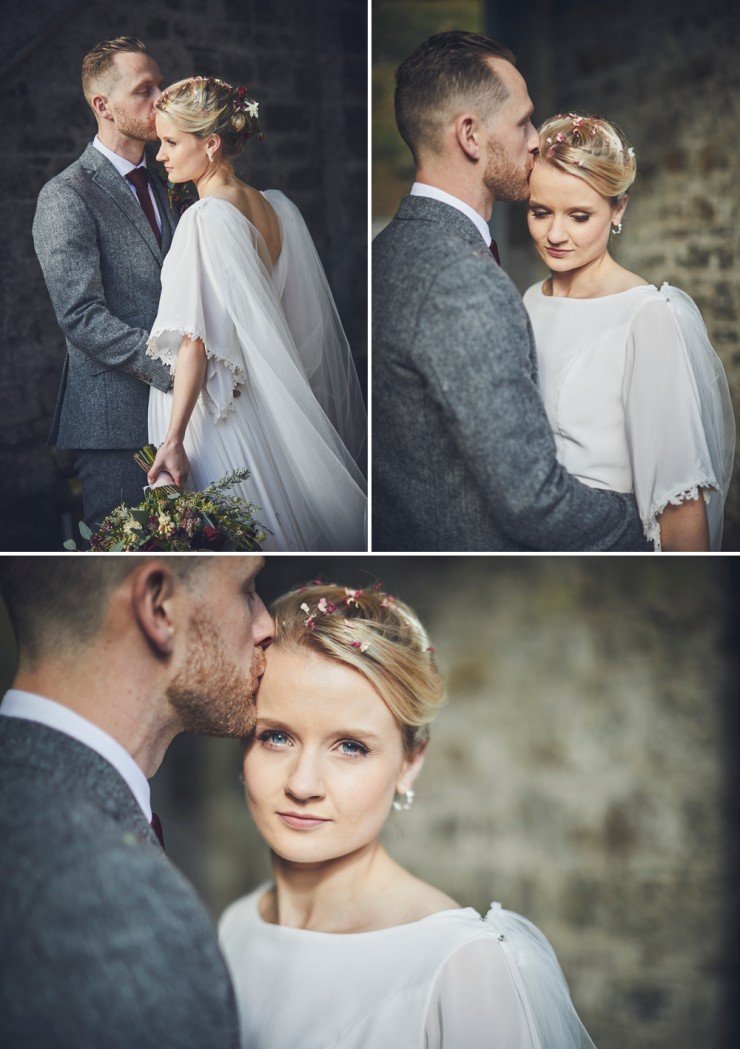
(557, 253)
(299, 821)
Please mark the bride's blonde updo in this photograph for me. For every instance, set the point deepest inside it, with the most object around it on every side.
(592, 149)
(374, 634)
(205, 106)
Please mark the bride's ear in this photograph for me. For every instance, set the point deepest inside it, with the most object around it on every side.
(411, 768)
(618, 213)
(213, 144)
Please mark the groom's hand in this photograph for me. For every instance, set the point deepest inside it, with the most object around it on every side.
(171, 459)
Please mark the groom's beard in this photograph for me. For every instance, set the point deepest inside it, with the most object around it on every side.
(213, 695)
(502, 179)
(132, 127)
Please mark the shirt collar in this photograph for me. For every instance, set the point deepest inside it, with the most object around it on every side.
(27, 705)
(421, 189)
(121, 165)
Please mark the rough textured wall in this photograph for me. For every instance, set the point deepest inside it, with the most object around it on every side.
(667, 72)
(577, 774)
(307, 65)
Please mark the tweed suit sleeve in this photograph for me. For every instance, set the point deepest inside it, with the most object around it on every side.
(65, 238)
(481, 375)
(131, 957)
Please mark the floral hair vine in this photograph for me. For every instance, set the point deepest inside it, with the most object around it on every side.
(581, 128)
(325, 607)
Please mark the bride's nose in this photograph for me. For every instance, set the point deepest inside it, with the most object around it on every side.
(556, 233)
(161, 156)
(305, 779)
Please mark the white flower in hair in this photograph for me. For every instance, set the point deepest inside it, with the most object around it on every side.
(252, 108)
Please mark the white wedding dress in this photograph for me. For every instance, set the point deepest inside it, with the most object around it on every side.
(449, 981)
(281, 395)
(637, 398)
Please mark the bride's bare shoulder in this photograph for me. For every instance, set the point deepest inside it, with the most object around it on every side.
(626, 280)
(417, 899)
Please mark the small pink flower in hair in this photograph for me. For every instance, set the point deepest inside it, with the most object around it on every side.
(362, 645)
(352, 596)
(326, 607)
(580, 163)
(311, 622)
(387, 601)
(560, 137)
(317, 582)
(431, 649)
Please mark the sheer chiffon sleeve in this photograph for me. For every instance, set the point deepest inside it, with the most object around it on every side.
(503, 991)
(680, 425)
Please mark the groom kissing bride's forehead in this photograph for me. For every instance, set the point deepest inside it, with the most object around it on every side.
(463, 454)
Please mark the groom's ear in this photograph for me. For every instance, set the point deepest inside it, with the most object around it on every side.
(467, 135)
(100, 108)
(154, 605)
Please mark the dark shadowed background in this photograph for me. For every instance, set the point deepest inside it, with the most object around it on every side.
(667, 71)
(584, 773)
(306, 63)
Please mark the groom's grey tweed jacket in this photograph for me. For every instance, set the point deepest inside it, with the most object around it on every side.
(103, 944)
(102, 264)
(463, 455)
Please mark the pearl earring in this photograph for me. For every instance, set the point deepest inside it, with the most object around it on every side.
(405, 805)
(210, 158)
(617, 229)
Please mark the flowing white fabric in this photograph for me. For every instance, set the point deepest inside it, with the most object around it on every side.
(449, 981)
(273, 342)
(637, 398)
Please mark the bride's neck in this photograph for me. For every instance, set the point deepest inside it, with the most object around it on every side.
(585, 282)
(331, 896)
(223, 175)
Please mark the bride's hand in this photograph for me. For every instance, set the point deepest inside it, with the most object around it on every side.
(171, 459)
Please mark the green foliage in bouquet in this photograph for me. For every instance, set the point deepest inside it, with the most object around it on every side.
(172, 519)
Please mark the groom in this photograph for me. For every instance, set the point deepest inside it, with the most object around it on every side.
(463, 454)
(101, 231)
(104, 944)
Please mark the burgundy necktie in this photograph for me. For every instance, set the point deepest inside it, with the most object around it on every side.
(157, 828)
(494, 251)
(140, 181)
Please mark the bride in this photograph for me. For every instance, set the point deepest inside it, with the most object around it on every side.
(345, 948)
(263, 375)
(636, 397)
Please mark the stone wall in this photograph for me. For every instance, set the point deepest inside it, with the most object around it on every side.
(305, 62)
(579, 774)
(667, 72)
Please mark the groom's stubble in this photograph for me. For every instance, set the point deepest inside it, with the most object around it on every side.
(213, 694)
(504, 180)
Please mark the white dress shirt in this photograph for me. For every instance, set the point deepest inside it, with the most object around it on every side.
(123, 167)
(27, 705)
(421, 189)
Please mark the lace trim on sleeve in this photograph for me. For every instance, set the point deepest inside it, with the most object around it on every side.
(168, 356)
(685, 494)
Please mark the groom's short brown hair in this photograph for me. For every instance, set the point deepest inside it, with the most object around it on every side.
(98, 66)
(61, 601)
(447, 66)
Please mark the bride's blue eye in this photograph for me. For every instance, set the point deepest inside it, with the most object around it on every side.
(352, 749)
(274, 738)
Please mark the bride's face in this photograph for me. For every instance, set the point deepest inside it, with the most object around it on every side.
(184, 156)
(325, 760)
(569, 221)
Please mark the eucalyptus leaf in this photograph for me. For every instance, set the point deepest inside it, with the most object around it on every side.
(85, 531)
(69, 544)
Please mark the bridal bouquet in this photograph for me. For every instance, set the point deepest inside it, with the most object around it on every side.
(172, 519)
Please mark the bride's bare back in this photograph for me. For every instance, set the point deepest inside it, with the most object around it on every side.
(256, 209)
